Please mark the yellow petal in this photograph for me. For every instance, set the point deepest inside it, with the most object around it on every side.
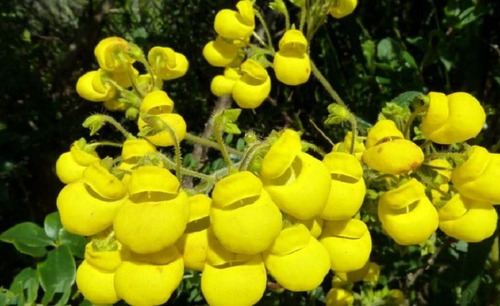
(111, 54)
(156, 102)
(342, 8)
(164, 138)
(219, 52)
(281, 155)
(253, 87)
(96, 285)
(398, 156)
(105, 184)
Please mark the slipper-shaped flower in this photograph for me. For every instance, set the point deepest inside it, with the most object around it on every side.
(166, 63)
(291, 63)
(112, 54)
(236, 24)
(253, 87)
(243, 216)
(295, 247)
(348, 243)
(91, 87)
(342, 8)
(220, 52)
(297, 182)
(477, 178)
(149, 279)
(348, 188)
(453, 118)
(407, 215)
(223, 84)
(388, 152)
(70, 165)
(468, 220)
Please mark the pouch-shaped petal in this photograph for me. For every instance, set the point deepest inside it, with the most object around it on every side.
(83, 213)
(468, 220)
(348, 188)
(281, 155)
(70, 165)
(146, 225)
(134, 149)
(245, 222)
(477, 178)
(398, 156)
(153, 180)
(296, 260)
(193, 244)
(342, 8)
(149, 279)
(102, 182)
(291, 63)
(220, 52)
(91, 87)
(302, 191)
(407, 215)
(164, 138)
(253, 87)
(348, 243)
(223, 84)
(453, 118)
(111, 54)
(166, 63)
(236, 25)
(156, 102)
(237, 284)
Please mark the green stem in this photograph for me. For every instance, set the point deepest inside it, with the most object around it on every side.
(177, 148)
(321, 132)
(259, 39)
(149, 69)
(287, 18)
(172, 165)
(118, 126)
(211, 144)
(250, 154)
(266, 29)
(354, 128)
(419, 110)
(222, 148)
(313, 147)
(104, 143)
(327, 85)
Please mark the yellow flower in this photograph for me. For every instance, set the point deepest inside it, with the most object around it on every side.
(193, 244)
(95, 275)
(236, 24)
(477, 178)
(467, 220)
(163, 138)
(91, 87)
(369, 273)
(348, 243)
(166, 63)
(297, 182)
(348, 189)
(156, 102)
(111, 54)
(345, 146)
(232, 279)
(149, 279)
(291, 63)
(220, 52)
(342, 8)
(243, 216)
(253, 87)
(314, 225)
(339, 297)
(70, 165)
(388, 152)
(223, 84)
(134, 149)
(102, 182)
(156, 213)
(295, 247)
(407, 215)
(453, 118)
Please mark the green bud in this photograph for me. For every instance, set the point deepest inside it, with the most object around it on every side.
(338, 114)
(250, 138)
(278, 6)
(131, 113)
(94, 123)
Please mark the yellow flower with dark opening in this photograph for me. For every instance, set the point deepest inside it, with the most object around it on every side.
(112, 54)
(453, 118)
(232, 279)
(156, 213)
(220, 52)
(291, 63)
(477, 178)
(348, 189)
(70, 165)
(388, 152)
(236, 24)
(253, 87)
(297, 182)
(149, 279)
(348, 243)
(468, 220)
(342, 8)
(193, 244)
(243, 216)
(95, 275)
(407, 215)
(295, 247)
(166, 63)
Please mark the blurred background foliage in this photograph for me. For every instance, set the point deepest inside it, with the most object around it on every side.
(385, 48)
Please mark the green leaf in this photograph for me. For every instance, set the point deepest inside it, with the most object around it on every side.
(406, 98)
(409, 60)
(231, 128)
(25, 285)
(7, 297)
(29, 250)
(52, 225)
(469, 293)
(75, 243)
(28, 234)
(369, 54)
(388, 49)
(231, 115)
(57, 275)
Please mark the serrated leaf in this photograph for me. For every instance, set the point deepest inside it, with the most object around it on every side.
(25, 285)
(406, 98)
(57, 275)
(231, 128)
(52, 225)
(28, 234)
